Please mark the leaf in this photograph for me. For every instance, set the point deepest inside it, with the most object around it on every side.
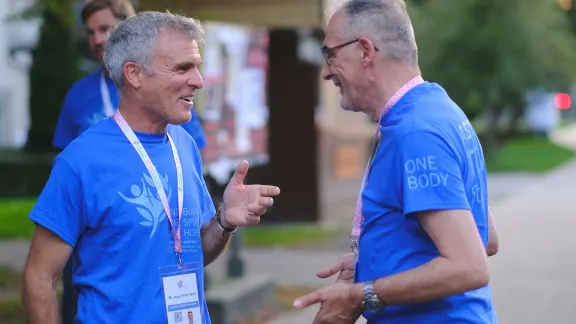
(146, 223)
(149, 180)
(145, 213)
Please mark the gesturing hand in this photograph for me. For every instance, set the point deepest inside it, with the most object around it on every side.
(244, 204)
(345, 267)
(340, 303)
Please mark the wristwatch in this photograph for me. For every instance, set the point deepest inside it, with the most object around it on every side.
(219, 221)
(371, 301)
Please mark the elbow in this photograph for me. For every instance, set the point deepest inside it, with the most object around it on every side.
(492, 248)
(474, 275)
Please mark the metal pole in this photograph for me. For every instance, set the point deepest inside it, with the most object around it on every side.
(235, 262)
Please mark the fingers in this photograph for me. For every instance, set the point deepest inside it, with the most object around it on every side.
(256, 210)
(329, 272)
(341, 265)
(240, 174)
(269, 191)
(260, 208)
(308, 300)
(252, 220)
(266, 201)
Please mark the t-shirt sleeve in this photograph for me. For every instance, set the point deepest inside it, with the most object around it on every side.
(65, 131)
(431, 178)
(59, 207)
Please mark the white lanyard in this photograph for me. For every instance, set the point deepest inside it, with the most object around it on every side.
(108, 109)
(156, 178)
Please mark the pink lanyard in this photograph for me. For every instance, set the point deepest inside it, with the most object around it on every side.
(156, 178)
(357, 222)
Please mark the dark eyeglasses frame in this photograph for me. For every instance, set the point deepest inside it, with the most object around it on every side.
(327, 51)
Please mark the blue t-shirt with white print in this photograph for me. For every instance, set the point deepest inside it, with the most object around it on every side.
(101, 200)
(429, 158)
(83, 107)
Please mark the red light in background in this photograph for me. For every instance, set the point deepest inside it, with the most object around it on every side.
(563, 101)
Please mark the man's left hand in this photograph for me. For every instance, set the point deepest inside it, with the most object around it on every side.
(341, 303)
(244, 204)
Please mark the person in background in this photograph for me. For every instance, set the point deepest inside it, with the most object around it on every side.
(422, 230)
(93, 98)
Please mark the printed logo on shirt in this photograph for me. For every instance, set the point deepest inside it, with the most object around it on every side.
(147, 201)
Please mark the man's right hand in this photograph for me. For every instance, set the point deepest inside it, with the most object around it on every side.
(345, 267)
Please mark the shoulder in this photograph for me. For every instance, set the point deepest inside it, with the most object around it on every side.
(89, 143)
(78, 91)
(89, 81)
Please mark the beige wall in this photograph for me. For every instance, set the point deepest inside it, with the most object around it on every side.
(344, 145)
(272, 13)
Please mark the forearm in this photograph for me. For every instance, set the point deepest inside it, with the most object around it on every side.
(434, 280)
(39, 296)
(214, 241)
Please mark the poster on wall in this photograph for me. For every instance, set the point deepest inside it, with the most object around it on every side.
(233, 103)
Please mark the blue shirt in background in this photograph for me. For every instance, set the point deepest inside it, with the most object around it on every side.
(429, 158)
(101, 200)
(84, 107)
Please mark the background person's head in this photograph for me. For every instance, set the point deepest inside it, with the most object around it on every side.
(367, 42)
(100, 15)
(153, 59)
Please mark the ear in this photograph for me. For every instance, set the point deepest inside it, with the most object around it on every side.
(368, 51)
(133, 74)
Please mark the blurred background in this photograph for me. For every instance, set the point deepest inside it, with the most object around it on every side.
(510, 65)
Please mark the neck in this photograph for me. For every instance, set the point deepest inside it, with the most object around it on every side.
(388, 86)
(141, 120)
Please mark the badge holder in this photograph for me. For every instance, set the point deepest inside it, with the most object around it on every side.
(181, 298)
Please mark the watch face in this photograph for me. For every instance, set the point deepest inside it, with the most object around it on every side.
(373, 305)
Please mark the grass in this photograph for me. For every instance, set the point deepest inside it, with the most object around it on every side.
(287, 235)
(529, 154)
(14, 223)
(12, 311)
(10, 279)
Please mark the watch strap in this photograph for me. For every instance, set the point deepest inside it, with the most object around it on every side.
(222, 227)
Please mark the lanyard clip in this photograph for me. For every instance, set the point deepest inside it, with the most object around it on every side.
(354, 247)
(180, 263)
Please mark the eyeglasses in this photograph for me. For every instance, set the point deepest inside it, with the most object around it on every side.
(330, 52)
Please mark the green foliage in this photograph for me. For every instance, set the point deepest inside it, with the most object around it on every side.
(487, 53)
(14, 221)
(529, 154)
(54, 70)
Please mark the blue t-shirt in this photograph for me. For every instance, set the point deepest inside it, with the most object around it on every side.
(429, 158)
(84, 107)
(101, 200)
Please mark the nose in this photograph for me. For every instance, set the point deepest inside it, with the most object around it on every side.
(196, 80)
(326, 74)
(99, 38)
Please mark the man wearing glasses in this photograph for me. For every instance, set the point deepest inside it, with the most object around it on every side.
(422, 228)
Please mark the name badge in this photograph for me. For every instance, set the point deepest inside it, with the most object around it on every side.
(180, 286)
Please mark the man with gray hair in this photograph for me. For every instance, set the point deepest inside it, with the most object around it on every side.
(422, 228)
(127, 198)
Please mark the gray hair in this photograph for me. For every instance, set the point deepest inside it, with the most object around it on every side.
(134, 40)
(386, 22)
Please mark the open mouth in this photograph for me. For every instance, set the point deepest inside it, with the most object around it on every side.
(187, 99)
